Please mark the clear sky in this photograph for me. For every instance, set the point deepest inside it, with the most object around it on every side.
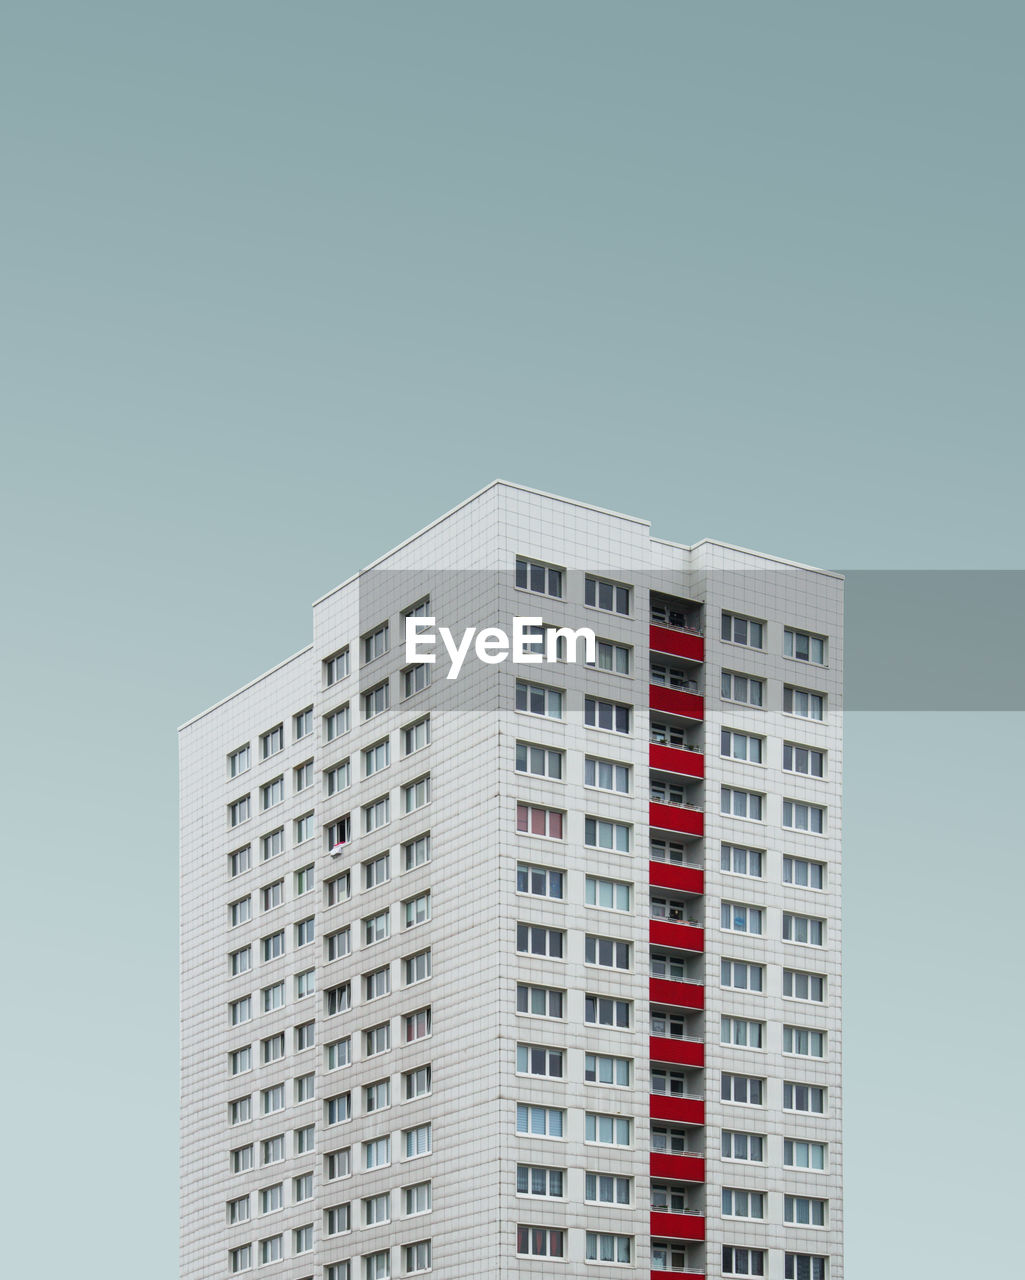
(279, 283)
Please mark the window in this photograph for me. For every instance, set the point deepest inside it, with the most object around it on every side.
(541, 1002)
(604, 1011)
(602, 834)
(375, 643)
(303, 1090)
(336, 1271)
(741, 746)
(377, 983)
(535, 940)
(273, 997)
(664, 792)
(666, 964)
(804, 1097)
(739, 630)
(804, 1266)
(417, 910)
(336, 1220)
(376, 815)
(305, 984)
(272, 844)
(305, 1036)
(802, 872)
(273, 1149)
(271, 1250)
(417, 1025)
(239, 861)
(416, 736)
(804, 1042)
(272, 895)
(339, 943)
(416, 794)
(376, 1096)
(606, 775)
(805, 929)
(238, 811)
(274, 1048)
(272, 1198)
(376, 927)
(304, 880)
(336, 667)
(377, 1153)
(803, 1155)
(377, 1266)
(416, 853)
(606, 1188)
(241, 961)
(238, 1210)
(601, 1246)
(611, 657)
(613, 716)
(339, 833)
(533, 820)
(542, 882)
(610, 596)
(676, 909)
(375, 700)
(803, 760)
(339, 1053)
(337, 722)
(737, 918)
(240, 1110)
(740, 975)
(416, 1199)
(417, 1141)
(239, 761)
(746, 1089)
(240, 1060)
(302, 1239)
(304, 932)
(668, 1257)
(539, 700)
(743, 1146)
(804, 986)
(376, 871)
(272, 742)
(242, 1159)
(338, 778)
(804, 647)
(338, 999)
(612, 895)
(804, 1211)
(672, 677)
(338, 1109)
(540, 1242)
(803, 703)
(273, 945)
(337, 889)
(415, 679)
(539, 1180)
(610, 953)
(338, 1163)
(539, 761)
(240, 912)
(804, 817)
(741, 804)
(377, 1209)
(303, 1139)
(742, 1262)
(540, 578)
(745, 689)
(377, 1040)
(537, 1060)
(540, 1122)
(302, 723)
(602, 1068)
(742, 1204)
(417, 967)
(611, 1131)
(241, 1259)
(376, 758)
(673, 1141)
(742, 1033)
(417, 1083)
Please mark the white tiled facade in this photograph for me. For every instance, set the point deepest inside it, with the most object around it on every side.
(266, 1188)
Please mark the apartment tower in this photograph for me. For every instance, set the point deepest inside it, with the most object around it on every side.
(534, 971)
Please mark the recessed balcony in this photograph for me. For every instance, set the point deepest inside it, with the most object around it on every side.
(682, 1051)
(681, 1168)
(682, 935)
(686, 703)
(678, 1226)
(679, 995)
(686, 819)
(681, 642)
(672, 875)
(677, 760)
(688, 1109)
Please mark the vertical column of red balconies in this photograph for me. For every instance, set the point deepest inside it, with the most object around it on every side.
(677, 825)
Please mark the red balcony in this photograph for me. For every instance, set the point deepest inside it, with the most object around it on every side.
(676, 702)
(690, 764)
(680, 995)
(670, 933)
(665, 1106)
(674, 817)
(678, 1226)
(684, 644)
(683, 1053)
(677, 1275)
(672, 875)
(682, 1168)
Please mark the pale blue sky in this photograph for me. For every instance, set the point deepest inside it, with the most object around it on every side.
(281, 283)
